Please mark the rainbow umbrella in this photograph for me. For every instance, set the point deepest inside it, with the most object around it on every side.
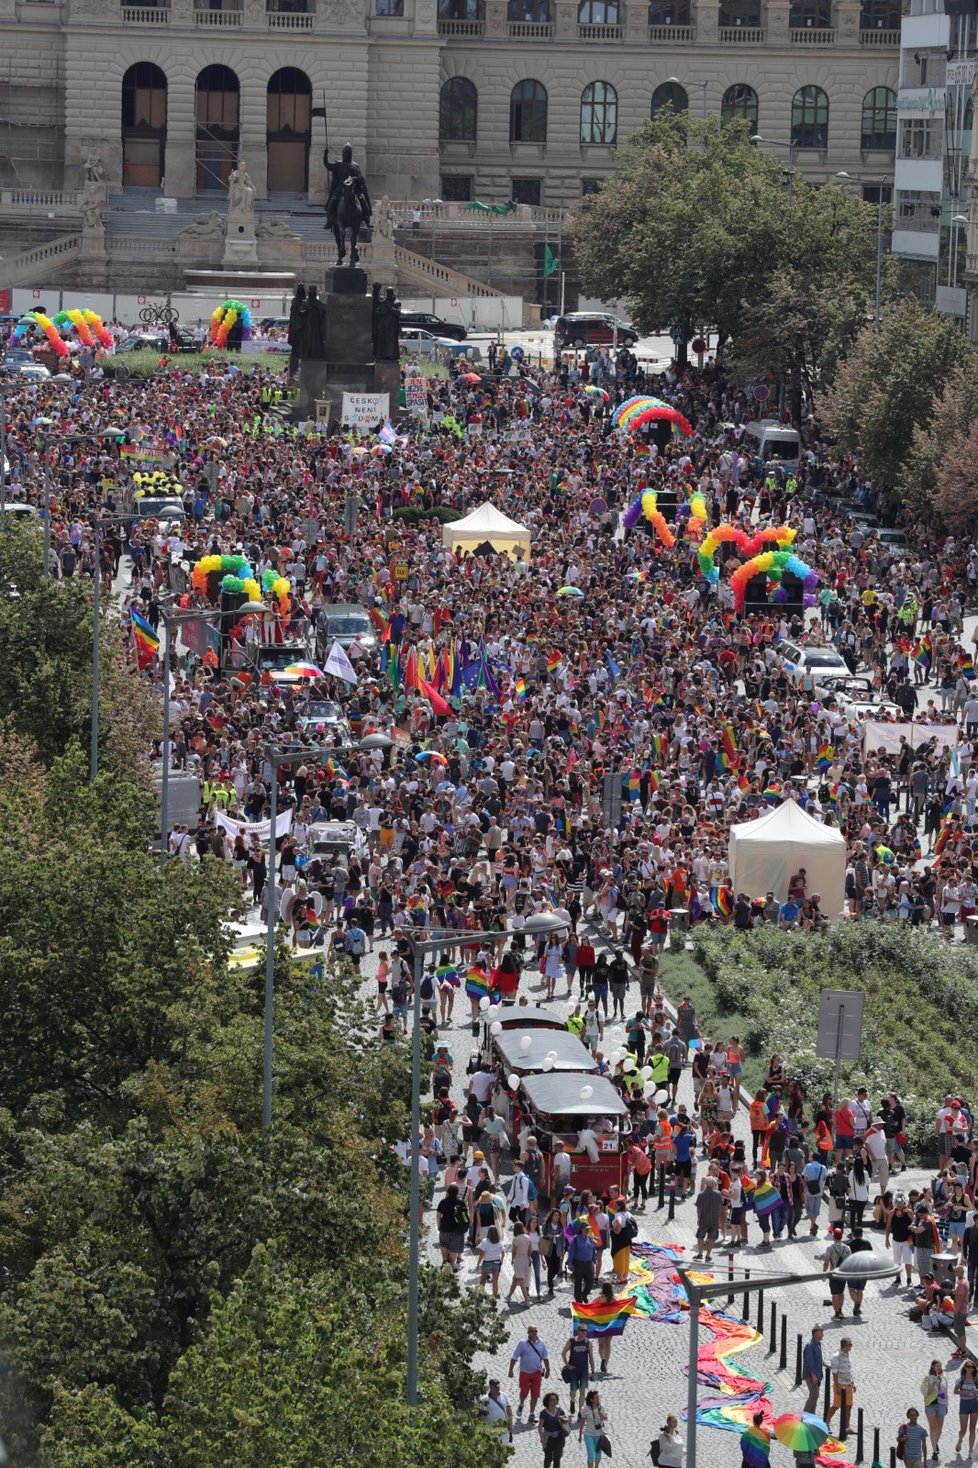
(570, 591)
(304, 670)
(755, 1447)
(432, 754)
(801, 1432)
(636, 575)
(593, 391)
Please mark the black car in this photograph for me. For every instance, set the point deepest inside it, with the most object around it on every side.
(434, 324)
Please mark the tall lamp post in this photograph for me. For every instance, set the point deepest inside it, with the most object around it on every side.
(673, 81)
(858, 1268)
(880, 181)
(535, 925)
(791, 146)
(172, 619)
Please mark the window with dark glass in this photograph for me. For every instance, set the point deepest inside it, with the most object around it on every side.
(810, 118)
(669, 97)
(527, 191)
(528, 112)
(740, 100)
(456, 188)
(458, 111)
(879, 118)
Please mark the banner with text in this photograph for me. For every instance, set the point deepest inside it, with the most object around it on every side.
(878, 734)
(365, 410)
(247, 829)
(416, 397)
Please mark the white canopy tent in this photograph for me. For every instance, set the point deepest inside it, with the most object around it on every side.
(488, 524)
(765, 853)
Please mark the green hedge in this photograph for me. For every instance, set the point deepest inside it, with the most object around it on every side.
(921, 1009)
(414, 514)
(147, 363)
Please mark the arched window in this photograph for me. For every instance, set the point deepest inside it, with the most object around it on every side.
(458, 110)
(599, 113)
(808, 15)
(143, 126)
(288, 108)
(669, 97)
(740, 100)
(528, 112)
(668, 12)
(879, 118)
(810, 118)
(217, 112)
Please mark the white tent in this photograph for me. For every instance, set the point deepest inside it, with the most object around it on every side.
(488, 524)
(765, 853)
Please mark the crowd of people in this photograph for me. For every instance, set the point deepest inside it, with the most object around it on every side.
(508, 687)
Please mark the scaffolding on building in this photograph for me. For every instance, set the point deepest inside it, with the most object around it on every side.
(32, 127)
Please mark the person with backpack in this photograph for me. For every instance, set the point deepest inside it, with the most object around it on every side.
(400, 995)
(814, 1174)
(453, 1220)
(356, 943)
(580, 1256)
(911, 1447)
(624, 1231)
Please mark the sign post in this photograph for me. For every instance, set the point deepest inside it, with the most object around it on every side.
(611, 799)
(840, 1029)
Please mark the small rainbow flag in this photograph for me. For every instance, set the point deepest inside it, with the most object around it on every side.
(554, 660)
(654, 781)
(447, 973)
(826, 754)
(720, 898)
(966, 662)
(772, 793)
(943, 837)
(604, 1317)
(380, 623)
(477, 983)
(743, 783)
(520, 686)
(657, 746)
(922, 650)
(146, 640)
(755, 1447)
(729, 742)
(336, 770)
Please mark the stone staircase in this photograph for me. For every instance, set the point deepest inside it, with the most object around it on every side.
(30, 267)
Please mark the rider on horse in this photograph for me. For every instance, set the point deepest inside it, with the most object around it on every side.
(338, 173)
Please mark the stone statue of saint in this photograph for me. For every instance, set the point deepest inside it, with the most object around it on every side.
(93, 169)
(310, 328)
(241, 191)
(92, 205)
(386, 325)
(384, 221)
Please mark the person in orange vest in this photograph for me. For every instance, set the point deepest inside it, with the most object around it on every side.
(758, 1124)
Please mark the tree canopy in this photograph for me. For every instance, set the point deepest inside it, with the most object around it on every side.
(696, 228)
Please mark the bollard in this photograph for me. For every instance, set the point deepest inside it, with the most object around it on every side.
(760, 1311)
(876, 1444)
(893, 1458)
(844, 1415)
(798, 1355)
(672, 1199)
(730, 1297)
(828, 1396)
(783, 1357)
(774, 1330)
(662, 1190)
(859, 1434)
(746, 1309)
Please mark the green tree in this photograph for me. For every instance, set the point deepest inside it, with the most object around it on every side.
(695, 228)
(938, 443)
(888, 386)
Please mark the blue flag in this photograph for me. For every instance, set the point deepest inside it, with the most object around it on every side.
(613, 667)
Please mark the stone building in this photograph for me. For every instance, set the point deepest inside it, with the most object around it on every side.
(451, 99)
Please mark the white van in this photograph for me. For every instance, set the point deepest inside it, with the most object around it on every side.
(768, 439)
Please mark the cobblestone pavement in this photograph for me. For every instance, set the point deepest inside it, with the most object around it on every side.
(646, 1378)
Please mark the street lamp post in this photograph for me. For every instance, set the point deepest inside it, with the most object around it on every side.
(97, 629)
(536, 924)
(170, 619)
(791, 146)
(857, 1268)
(956, 219)
(880, 181)
(673, 81)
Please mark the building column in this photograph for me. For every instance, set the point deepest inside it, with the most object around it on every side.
(181, 127)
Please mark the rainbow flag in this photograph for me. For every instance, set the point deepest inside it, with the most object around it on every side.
(720, 898)
(654, 781)
(755, 1447)
(966, 663)
(729, 742)
(380, 622)
(520, 686)
(765, 1199)
(743, 783)
(826, 754)
(336, 770)
(922, 650)
(942, 838)
(146, 640)
(447, 973)
(658, 746)
(631, 785)
(477, 983)
(772, 793)
(554, 660)
(604, 1317)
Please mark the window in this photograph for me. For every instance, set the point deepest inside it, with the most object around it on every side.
(143, 125)
(669, 12)
(598, 12)
(589, 186)
(738, 13)
(530, 12)
(810, 118)
(740, 100)
(807, 15)
(528, 112)
(456, 188)
(288, 130)
(459, 9)
(921, 137)
(527, 191)
(871, 194)
(669, 97)
(879, 118)
(879, 15)
(217, 132)
(458, 110)
(599, 113)
(389, 7)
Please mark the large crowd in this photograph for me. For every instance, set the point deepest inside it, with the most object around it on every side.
(487, 806)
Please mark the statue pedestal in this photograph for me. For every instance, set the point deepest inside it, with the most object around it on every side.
(240, 245)
(349, 365)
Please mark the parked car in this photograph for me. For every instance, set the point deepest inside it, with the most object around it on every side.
(592, 328)
(435, 324)
(417, 342)
(343, 622)
(801, 660)
(159, 507)
(322, 714)
(889, 535)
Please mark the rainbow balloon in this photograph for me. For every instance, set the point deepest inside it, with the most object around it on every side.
(636, 412)
(224, 317)
(748, 545)
(775, 563)
(647, 505)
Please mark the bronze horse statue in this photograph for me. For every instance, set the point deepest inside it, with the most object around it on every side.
(348, 215)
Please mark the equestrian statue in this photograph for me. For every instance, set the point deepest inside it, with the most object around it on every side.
(348, 206)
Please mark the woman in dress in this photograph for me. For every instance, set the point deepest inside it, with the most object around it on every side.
(520, 1250)
(934, 1391)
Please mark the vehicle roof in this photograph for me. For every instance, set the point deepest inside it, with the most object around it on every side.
(560, 1095)
(571, 1054)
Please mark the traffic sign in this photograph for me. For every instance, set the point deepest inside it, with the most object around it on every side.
(761, 393)
(454, 300)
(255, 303)
(676, 332)
(517, 354)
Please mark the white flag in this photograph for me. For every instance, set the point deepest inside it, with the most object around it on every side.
(339, 664)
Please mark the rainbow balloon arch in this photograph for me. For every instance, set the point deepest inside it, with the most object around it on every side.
(768, 552)
(86, 324)
(635, 413)
(224, 318)
(233, 576)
